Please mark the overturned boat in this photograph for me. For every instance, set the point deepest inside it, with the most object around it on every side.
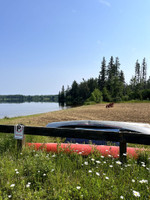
(86, 146)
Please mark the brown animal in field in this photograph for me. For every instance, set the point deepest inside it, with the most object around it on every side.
(110, 105)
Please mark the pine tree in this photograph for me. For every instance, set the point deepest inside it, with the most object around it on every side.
(121, 77)
(144, 72)
(116, 67)
(137, 72)
(61, 96)
(74, 92)
(102, 75)
(110, 70)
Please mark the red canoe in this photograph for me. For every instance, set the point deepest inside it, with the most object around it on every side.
(84, 149)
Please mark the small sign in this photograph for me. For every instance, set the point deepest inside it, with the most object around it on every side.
(19, 131)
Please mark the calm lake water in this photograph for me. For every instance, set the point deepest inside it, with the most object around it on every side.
(23, 109)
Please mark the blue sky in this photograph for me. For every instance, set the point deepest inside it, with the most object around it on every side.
(45, 44)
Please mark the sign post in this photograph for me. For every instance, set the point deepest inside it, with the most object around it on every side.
(19, 135)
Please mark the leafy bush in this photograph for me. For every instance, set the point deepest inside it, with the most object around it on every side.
(96, 96)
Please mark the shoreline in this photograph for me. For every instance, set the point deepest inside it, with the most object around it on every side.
(129, 112)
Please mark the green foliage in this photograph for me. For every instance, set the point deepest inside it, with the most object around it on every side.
(39, 175)
(22, 98)
(96, 96)
(125, 98)
(106, 95)
(111, 82)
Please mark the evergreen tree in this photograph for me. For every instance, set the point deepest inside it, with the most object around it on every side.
(61, 96)
(92, 84)
(111, 69)
(121, 77)
(74, 92)
(84, 91)
(137, 72)
(148, 83)
(116, 67)
(144, 73)
(102, 75)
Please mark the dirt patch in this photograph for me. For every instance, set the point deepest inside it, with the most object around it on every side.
(127, 112)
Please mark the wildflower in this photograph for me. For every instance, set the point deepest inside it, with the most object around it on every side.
(105, 162)
(98, 162)
(109, 156)
(90, 171)
(118, 162)
(12, 185)
(86, 163)
(106, 177)
(44, 174)
(110, 166)
(9, 196)
(136, 194)
(92, 159)
(102, 156)
(78, 187)
(121, 197)
(28, 185)
(52, 170)
(53, 156)
(17, 172)
(143, 181)
(133, 181)
(98, 174)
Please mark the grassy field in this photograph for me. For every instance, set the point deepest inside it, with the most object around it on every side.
(40, 175)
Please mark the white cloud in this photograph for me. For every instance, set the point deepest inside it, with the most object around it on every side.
(104, 2)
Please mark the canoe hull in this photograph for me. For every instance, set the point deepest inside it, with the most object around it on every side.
(84, 149)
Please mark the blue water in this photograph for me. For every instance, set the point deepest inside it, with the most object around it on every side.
(23, 109)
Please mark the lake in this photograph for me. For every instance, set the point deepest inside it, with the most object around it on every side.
(23, 109)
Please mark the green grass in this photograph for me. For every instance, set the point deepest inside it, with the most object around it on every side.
(135, 101)
(39, 175)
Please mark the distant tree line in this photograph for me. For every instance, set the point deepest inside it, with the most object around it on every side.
(23, 98)
(109, 86)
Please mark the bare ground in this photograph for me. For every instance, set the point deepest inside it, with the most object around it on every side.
(128, 112)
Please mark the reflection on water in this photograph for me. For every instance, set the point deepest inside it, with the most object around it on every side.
(23, 109)
(63, 106)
